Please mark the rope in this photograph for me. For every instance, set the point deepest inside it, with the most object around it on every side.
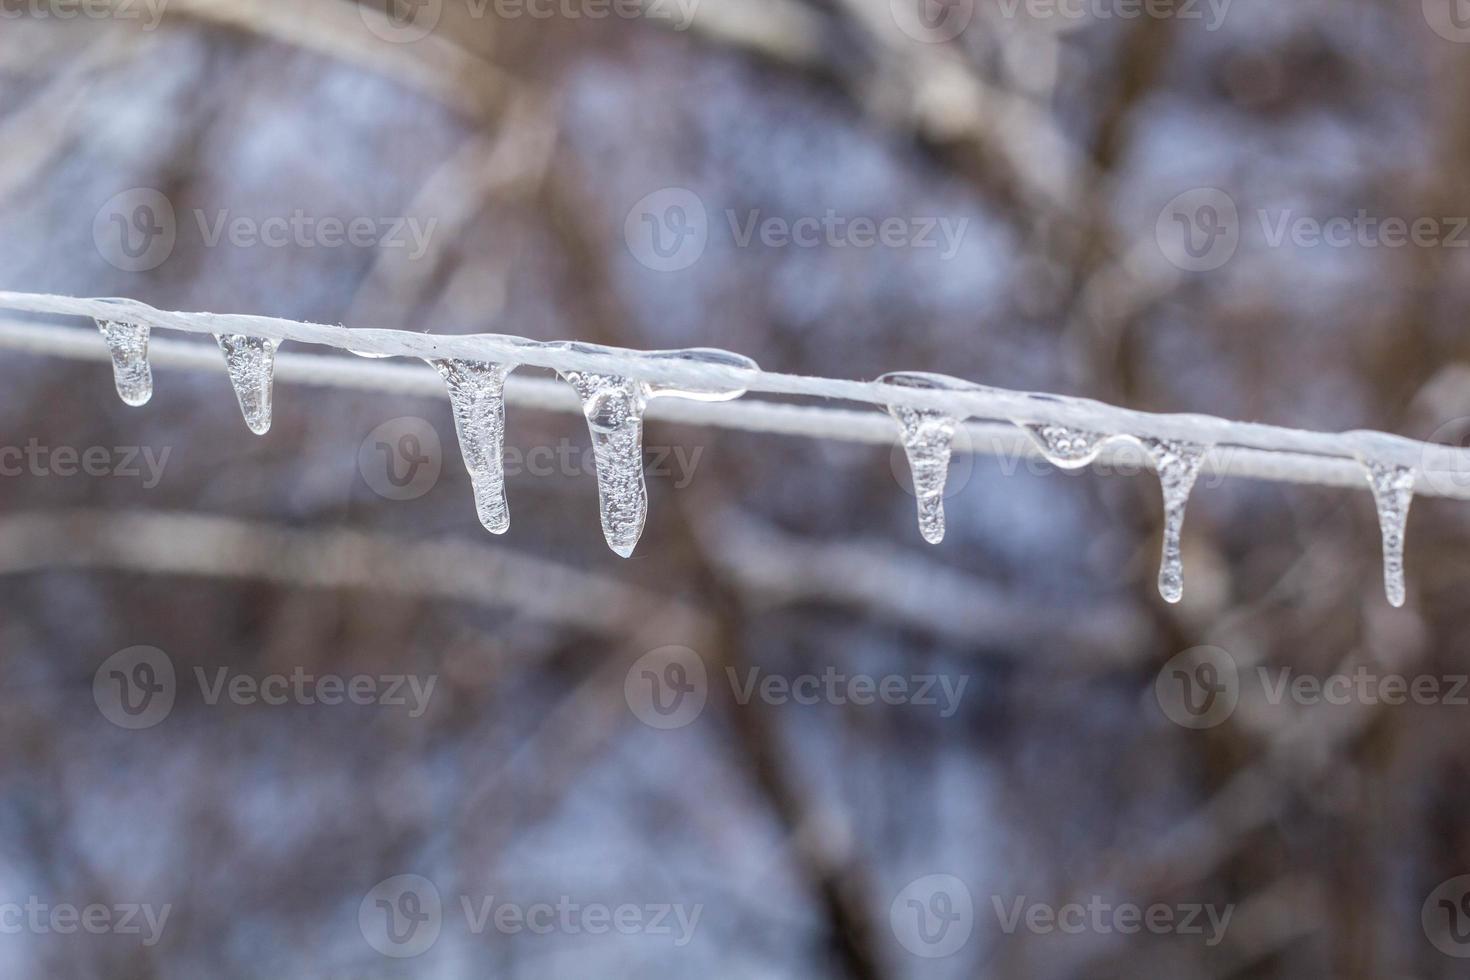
(1245, 449)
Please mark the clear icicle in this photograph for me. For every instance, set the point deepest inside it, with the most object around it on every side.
(128, 344)
(251, 362)
(928, 442)
(1065, 447)
(613, 405)
(1178, 465)
(477, 392)
(1393, 492)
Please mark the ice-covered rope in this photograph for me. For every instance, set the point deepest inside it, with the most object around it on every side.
(613, 386)
(812, 421)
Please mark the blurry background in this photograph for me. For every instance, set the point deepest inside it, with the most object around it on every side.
(1087, 200)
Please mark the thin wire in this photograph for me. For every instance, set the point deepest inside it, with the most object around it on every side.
(1238, 448)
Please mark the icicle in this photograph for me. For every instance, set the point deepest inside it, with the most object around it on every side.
(928, 442)
(1064, 447)
(251, 362)
(128, 343)
(613, 405)
(477, 392)
(1178, 465)
(1393, 492)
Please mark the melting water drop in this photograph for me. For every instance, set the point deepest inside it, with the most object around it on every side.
(128, 343)
(251, 362)
(704, 356)
(1393, 492)
(613, 405)
(1178, 465)
(928, 442)
(477, 392)
(1068, 448)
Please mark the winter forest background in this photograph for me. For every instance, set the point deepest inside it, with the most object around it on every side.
(1250, 208)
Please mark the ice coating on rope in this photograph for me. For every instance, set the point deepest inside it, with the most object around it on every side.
(1393, 492)
(928, 442)
(477, 393)
(613, 406)
(1068, 448)
(1178, 465)
(128, 344)
(251, 362)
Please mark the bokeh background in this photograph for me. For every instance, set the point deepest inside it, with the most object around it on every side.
(1131, 191)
